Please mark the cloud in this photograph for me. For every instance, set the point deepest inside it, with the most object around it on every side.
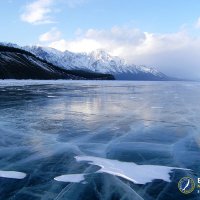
(197, 25)
(176, 54)
(52, 35)
(116, 38)
(38, 12)
(83, 45)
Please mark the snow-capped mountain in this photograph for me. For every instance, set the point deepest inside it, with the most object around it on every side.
(17, 63)
(97, 61)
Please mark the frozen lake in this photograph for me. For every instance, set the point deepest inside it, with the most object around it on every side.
(98, 140)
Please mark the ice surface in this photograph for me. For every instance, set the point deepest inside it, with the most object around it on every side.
(121, 129)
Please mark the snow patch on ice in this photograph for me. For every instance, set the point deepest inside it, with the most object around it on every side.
(72, 178)
(12, 174)
(139, 174)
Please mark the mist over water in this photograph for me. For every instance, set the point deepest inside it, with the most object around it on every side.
(44, 126)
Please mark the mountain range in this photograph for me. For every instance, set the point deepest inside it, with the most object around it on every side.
(56, 64)
(17, 63)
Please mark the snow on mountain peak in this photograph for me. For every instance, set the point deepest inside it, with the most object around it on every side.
(100, 54)
(8, 44)
(97, 61)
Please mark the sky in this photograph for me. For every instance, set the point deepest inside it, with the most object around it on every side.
(164, 34)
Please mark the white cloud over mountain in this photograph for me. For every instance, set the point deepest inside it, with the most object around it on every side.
(177, 54)
(52, 35)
